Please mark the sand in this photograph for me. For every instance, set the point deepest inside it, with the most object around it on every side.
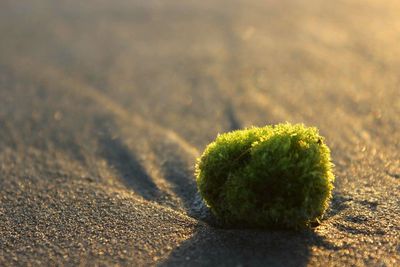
(105, 105)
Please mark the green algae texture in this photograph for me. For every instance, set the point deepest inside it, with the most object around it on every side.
(271, 177)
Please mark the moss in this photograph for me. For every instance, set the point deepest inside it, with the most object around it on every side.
(275, 176)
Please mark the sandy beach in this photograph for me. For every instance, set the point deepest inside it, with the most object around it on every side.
(105, 106)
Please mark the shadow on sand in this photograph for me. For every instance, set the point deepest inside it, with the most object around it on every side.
(220, 247)
(211, 246)
(128, 167)
(170, 156)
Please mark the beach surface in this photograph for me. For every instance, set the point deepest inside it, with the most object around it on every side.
(105, 106)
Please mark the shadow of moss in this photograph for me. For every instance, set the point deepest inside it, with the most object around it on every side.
(221, 247)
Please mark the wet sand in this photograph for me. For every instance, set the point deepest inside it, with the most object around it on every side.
(105, 106)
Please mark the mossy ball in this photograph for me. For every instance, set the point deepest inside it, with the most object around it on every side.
(271, 177)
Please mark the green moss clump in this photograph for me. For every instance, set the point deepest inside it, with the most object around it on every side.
(272, 177)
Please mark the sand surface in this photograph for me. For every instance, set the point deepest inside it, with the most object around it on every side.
(105, 105)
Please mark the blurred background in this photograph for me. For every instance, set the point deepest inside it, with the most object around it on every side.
(222, 64)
